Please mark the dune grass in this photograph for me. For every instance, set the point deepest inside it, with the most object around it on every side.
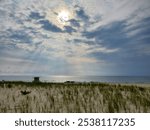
(72, 97)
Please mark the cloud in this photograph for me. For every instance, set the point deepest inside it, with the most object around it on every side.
(13, 66)
(111, 35)
(104, 12)
(81, 13)
(69, 29)
(140, 28)
(19, 36)
(74, 23)
(49, 26)
(36, 15)
(100, 33)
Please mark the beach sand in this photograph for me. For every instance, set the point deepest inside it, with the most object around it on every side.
(137, 84)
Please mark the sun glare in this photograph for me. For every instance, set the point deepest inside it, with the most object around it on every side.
(63, 17)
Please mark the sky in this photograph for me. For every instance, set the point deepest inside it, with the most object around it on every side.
(75, 37)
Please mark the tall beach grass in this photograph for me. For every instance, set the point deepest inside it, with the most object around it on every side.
(73, 97)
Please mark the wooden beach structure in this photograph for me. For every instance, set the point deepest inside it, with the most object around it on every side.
(36, 79)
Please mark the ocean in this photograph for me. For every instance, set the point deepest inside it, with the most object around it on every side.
(108, 79)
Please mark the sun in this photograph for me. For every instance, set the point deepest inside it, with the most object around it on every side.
(63, 17)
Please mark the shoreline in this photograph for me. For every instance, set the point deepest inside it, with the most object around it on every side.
(92, 82)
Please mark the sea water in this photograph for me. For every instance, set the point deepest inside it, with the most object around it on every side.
(109, 79)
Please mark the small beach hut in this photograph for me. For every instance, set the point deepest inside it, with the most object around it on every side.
(36, 79)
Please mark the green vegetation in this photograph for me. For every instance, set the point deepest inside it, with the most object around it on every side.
(72, 97)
